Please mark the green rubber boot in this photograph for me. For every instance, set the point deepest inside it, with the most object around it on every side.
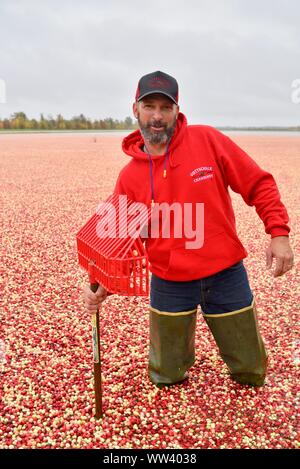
(240, 344)
(172, 346)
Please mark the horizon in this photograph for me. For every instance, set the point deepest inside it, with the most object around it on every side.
(122, 121)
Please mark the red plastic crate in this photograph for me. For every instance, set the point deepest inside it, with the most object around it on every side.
(119, 264)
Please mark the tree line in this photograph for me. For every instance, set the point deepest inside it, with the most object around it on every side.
(19, 121)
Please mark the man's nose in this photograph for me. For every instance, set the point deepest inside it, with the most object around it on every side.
(157, 114)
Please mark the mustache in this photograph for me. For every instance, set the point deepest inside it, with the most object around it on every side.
(156, 124)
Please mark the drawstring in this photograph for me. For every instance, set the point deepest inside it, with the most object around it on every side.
(165, 162)
(151, 170)
(151, 179)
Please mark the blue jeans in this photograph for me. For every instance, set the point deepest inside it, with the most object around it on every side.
(222, 292)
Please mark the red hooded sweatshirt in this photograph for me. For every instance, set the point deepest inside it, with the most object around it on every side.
(200, 165)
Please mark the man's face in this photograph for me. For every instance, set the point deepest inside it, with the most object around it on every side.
(156, 115)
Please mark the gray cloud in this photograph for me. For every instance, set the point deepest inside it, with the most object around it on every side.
(234, 60)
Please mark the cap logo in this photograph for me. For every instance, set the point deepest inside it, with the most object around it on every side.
(155, 82)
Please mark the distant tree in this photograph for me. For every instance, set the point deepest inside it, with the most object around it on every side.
(82, 122)
(19, 120)
(42, 123)
(51, 124)
(34, 124)
(128, 123)
(6, 124)
(60, 122)
(19, 115)
(109, 123)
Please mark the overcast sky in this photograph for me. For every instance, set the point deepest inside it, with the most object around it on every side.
(234, 60)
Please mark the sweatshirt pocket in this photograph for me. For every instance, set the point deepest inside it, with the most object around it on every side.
(218, 252)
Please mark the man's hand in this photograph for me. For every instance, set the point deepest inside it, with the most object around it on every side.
(280, 249)
(93, 300)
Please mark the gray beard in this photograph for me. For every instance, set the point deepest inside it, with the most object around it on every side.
(157, 138)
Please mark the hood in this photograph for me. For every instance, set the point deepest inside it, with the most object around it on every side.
(132, 144)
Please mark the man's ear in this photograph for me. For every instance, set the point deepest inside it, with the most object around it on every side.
(134, 109)
(177, 110)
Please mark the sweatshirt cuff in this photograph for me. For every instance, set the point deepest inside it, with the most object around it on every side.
(279, 232)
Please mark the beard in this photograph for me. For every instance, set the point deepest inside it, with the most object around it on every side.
(153, 137)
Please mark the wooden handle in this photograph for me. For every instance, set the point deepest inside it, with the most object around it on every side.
(97, 358)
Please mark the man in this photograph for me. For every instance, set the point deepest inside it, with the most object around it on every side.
(178, 163)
